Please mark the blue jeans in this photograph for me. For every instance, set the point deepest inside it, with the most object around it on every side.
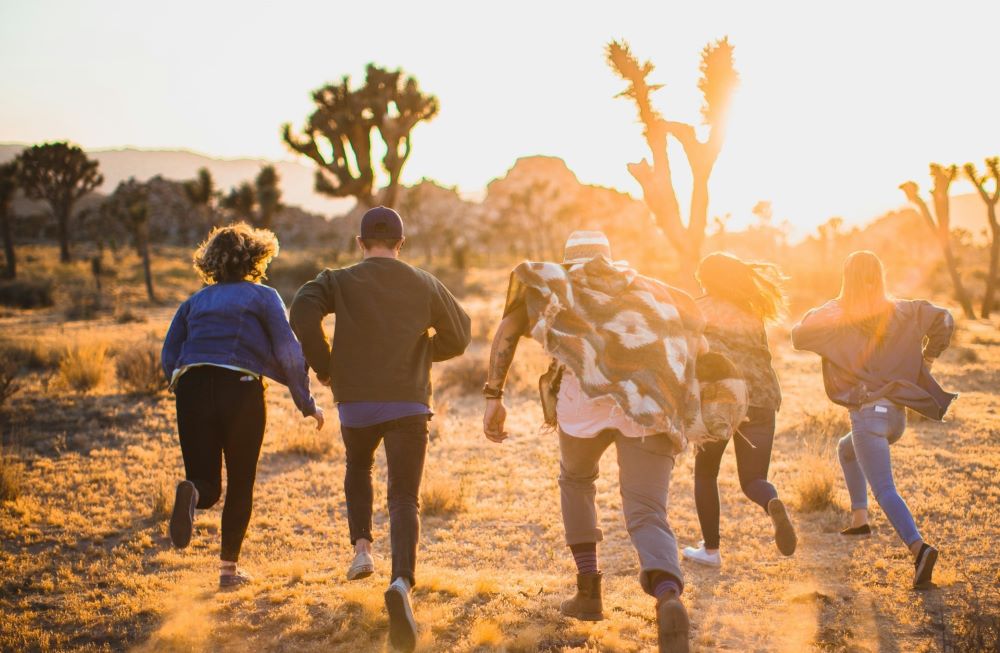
(864, 457)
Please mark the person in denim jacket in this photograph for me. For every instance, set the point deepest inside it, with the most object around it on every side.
(877, 357)
(221, 343)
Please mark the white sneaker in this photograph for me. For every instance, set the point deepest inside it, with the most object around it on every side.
(701, 556)
(362, 566)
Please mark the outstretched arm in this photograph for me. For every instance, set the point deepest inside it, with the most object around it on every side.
(512, 327)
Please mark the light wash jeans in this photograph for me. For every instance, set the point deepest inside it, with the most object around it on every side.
(644, 467)
(864, 457)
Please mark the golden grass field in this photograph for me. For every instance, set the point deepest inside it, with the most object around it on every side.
(86, 563)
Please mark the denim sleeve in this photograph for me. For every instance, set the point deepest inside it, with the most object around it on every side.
(937, 324)
(452, 326)
(288, 352)
(174, 340)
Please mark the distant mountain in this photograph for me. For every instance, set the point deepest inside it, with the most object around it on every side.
(120, 164)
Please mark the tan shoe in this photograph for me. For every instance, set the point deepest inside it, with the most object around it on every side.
(363, 566)
(673, 625)
(586, 604)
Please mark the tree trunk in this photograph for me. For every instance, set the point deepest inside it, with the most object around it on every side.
(10, 272)
(62, 217)
(956, 279)
(143, 242)
(991, 278)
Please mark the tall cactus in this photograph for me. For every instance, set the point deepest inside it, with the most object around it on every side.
(268, 194)
(719, 79)
(338, 134)
(61, 174)
(940, 224)
(201, 193)
(8, 186)
(990, 199)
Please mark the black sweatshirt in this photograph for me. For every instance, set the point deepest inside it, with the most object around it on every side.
(381, 350)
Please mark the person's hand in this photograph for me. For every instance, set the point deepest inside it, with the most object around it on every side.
(493, 420)
(318, 416)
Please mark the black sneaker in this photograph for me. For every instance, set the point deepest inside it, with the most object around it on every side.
(402, 627)
(182, 519)
(863, 529)
(924, 565)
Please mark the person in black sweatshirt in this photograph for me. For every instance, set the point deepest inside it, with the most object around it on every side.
(379, 370)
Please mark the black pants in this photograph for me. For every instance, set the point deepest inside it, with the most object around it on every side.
(221, 416)
(405, 449)
(753, 457)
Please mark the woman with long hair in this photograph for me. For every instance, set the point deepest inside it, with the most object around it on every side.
(221, 343)
(740, 297)
(877, 356)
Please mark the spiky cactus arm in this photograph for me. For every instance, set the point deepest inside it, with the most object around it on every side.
(242, 201)
(61, 174)
(990, 199)
(412, 106)
(268, 193)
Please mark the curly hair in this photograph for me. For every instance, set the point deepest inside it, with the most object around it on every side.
(237, 252)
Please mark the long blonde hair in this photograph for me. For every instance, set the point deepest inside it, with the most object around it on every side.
(863, 298)
(756, 287)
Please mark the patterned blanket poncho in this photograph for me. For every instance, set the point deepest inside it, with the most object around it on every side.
(622, 334)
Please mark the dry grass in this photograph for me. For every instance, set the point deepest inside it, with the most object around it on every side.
(11, 477)
(462, 376)
(162, 500)
(441, 497)
(815, 486)
(138, 370)
(823, 424)
(9, 384)
(306, 441)
(83, 366)
(86, 564)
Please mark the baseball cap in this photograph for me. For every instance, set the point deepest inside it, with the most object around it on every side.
(381, 222)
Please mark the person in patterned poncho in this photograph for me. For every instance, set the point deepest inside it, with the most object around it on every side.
(625, 349)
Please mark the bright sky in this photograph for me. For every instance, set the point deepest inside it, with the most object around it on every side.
(840, 101)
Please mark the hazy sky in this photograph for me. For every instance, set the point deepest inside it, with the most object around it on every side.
(840, 102)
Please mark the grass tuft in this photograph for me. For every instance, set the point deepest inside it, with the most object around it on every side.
(11, 477)
(162, 500)
(815, 485)
(308, 442)
(82, 366)
(462, 376)
(441, 497)
(486, 633)
(823, 425)
(139, 371)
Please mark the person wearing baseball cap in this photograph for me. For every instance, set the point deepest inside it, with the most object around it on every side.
(378, 366)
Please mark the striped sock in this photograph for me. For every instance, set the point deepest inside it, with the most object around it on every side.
(585, 556)
(665, 583)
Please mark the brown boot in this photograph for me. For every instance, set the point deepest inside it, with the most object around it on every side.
(673, 625)
(586, 604)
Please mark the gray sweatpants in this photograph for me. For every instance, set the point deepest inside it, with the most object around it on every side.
(644, 467)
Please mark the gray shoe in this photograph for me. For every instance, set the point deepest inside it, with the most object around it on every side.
(182, 519)
(672, 626)
(402, 627)
(236, 579)
(363, 566)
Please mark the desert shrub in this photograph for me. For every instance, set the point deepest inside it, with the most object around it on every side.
(287, 276)
(486, 633)
(128, 316)
(974, 623)
(82, 367)
(463, 375)
(82, 306)
(139, 371)
(161, 500)
(30, 354)
(25, 293)
(11, 477)
(815, 484)
(441, 497)
(9, 372)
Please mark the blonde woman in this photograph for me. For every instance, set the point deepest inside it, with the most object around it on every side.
(877, 356)
(223, 340)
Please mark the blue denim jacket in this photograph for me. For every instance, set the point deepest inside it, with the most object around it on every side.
(242, 325)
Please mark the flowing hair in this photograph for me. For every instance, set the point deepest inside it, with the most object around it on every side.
(755, 287)
(863, 299)
(237, 252)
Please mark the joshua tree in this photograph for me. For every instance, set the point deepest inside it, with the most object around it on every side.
(268, 194)
(242, 201)
(942, 176)
(8, 186)
(718, 80)
(342, 126)
(990, 199)
(128, 206)
(61, 174)
(201, 193)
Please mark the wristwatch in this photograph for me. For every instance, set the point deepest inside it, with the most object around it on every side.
(492, 393)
